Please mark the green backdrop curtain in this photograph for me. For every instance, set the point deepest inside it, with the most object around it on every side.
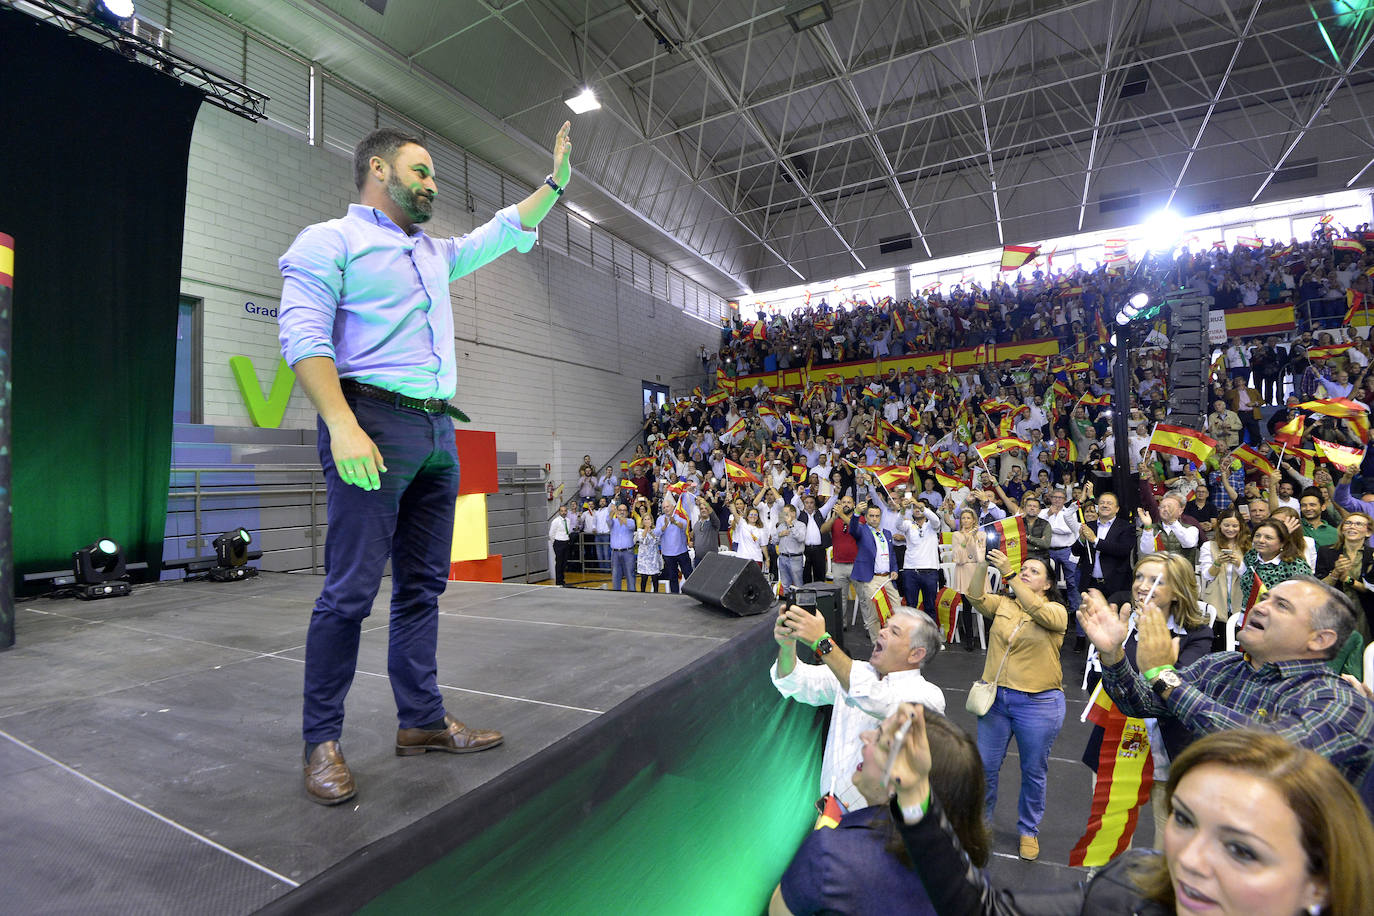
(94, 192)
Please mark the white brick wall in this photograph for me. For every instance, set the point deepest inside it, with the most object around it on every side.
(551, 352)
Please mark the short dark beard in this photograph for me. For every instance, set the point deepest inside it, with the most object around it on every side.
(417, 207)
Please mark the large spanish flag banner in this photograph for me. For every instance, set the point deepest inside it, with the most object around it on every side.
(1183, 442)
(1013, 256)
(1119, 752)
(1259, 319)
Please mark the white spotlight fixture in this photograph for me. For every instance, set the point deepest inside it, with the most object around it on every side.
(581, 100)
(1140, 300)
(1162, 230)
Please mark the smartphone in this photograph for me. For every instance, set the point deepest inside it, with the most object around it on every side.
(994, 539)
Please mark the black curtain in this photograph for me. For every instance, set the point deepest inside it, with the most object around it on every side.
(94, 193)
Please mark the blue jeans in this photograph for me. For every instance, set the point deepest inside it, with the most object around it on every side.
(623, 567)
(410, 520)
(603, 551)
(1064, 557)
(790, 570)
(1034, 719)
(926, 583)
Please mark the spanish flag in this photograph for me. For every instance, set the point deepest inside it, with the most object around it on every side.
(724, 381)
(1341, 456)
(1183, 442)
(1348, 245)
(898, 321)
(894, 430)
(1013, 531)
(1096, 400)
(1359, 425)
(716, 397)
(1000, 445)
(759, 331)
(1061, 391)
(883, 605)
(736, 429)
(947, 610)
(1341, 408)
(628, 485)
(889, 475)
(741, 474)
(1247, 456)
(1354, 303)
(830, 811)
(1119, 752)
(949, 481)
(1304, 458)
(1013, 256)
(1290, 433)
(680, 512)
(1328, 352)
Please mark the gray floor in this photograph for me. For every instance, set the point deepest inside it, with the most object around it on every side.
(149, 746)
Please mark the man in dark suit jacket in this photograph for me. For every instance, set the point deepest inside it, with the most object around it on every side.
(1109, 543)
(875, 565)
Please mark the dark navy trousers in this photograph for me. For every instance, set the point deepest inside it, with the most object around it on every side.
(410, 521)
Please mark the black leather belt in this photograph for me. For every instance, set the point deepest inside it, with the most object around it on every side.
(426, 405)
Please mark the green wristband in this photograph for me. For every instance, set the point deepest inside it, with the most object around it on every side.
(824, 636)
(1154, 672)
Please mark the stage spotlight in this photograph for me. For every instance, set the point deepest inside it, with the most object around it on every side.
(111, 11)
(807, 14)
(1140, 300)
(1162, 231)
(231, 552)
(581, 100)
(99, 570)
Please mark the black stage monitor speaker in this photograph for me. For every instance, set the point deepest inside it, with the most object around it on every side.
(732, 584)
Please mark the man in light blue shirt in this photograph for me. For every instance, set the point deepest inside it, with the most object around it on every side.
(672, 534)
(367, 324)
(622, 532)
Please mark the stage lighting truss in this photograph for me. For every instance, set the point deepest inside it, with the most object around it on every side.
(99, 570)
(100, 21)
(231, 554)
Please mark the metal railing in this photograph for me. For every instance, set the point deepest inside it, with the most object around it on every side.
(198, 492)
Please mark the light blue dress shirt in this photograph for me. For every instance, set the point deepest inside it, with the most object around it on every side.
(362, 292)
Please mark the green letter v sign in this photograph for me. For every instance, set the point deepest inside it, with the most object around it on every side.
(264, 413)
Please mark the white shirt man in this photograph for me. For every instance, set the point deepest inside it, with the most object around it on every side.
(861, 694)
(922, 538)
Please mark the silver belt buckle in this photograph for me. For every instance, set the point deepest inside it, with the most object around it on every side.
(435, 405)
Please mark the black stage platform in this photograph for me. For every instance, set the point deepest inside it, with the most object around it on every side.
(149, 746)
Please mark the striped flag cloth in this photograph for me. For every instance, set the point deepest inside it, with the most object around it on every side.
(1355, 303)
(1183, 442)
(1013, 531)
(950, 482)
(1341, 408)
(889, 475)
(1119, 752)
(947, 610)
(1000, 445)
(1341, 456)
(1013, 256)
(883, 605)
(716, 397)
(1348, 245)
(736, 429)
(740, 474)
(1247, 456)
(830, 811)
(1328, 352)
(759, 331)
(1290, 433)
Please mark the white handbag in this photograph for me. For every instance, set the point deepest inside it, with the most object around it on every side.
(982, 694)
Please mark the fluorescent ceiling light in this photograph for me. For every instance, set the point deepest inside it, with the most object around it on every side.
(581, 101)
(807, 14)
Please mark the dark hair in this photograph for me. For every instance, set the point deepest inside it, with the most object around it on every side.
(956, 776)
(384, 142)
(1315, 492)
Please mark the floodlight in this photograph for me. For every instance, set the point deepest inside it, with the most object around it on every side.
(112, 11)
(581, 100)
(231, 554)
(1140, 300)
(807, 14)
(99, 570)
(1162, 231)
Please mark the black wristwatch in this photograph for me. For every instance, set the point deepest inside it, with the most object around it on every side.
(825, 646)
(1165, 681)
(548, 180)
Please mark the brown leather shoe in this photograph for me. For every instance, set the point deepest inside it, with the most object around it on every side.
(457, 738)
(1030, 848)
(328, 780)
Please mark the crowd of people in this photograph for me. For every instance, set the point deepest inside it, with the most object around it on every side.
(998, 482)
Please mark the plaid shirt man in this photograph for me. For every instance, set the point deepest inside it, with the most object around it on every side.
(1220, 498)
(1299, 699)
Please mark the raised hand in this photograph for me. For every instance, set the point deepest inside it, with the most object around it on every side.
(1105, 625)
(562, 155)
